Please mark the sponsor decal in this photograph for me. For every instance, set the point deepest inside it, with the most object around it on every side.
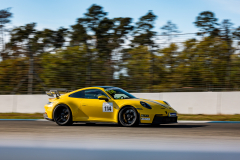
(144, 115)
(145, 119)
(107, 107)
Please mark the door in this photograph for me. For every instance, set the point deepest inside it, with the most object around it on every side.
(95, 109)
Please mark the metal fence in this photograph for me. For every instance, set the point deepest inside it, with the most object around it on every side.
(180, 65)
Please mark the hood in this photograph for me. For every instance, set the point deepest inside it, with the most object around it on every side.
(152, 103)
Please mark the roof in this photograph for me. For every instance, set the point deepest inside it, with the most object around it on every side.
(105, 87)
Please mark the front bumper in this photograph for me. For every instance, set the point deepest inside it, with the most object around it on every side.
(159, 119)
(46, 117)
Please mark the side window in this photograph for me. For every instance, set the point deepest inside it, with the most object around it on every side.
(79, 94)
(94, 93)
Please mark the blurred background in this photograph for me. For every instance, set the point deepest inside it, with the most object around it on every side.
(119, 51)
(184, 52)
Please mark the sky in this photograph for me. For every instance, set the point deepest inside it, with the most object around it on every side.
(53, 14)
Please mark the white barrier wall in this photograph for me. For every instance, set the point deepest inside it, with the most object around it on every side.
(199, 102)
(23, 103)
(183, 102)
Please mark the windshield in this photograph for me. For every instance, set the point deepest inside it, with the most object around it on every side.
(118, 93)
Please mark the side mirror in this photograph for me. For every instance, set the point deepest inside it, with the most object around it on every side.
(103, 98)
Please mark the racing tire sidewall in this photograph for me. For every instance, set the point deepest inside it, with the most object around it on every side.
(136, 121)
(68, 121)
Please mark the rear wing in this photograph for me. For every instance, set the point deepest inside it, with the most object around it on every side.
(53, 93)
(56, 94)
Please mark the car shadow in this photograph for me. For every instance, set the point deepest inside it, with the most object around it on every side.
(142, 125)
(174, 126)
(96, 124)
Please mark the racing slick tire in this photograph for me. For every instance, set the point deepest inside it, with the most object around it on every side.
(128, 116)
(62, 115)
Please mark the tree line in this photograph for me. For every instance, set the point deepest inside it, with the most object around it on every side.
(98, 50)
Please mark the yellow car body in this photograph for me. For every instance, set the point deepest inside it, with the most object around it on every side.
(93, 109)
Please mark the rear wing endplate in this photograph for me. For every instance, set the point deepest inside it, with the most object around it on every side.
(53, 93)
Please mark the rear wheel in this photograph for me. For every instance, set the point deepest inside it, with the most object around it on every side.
(128, 116)
(63, 115)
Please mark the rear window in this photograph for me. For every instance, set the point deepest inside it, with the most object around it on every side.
(88, 94)
(79, 94)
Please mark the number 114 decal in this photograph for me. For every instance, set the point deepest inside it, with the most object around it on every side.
(107, 107)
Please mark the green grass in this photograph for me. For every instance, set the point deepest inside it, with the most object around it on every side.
(21, 116)
(196, 117)
(201, 117)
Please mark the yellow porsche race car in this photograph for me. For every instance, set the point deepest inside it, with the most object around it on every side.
(106, 104)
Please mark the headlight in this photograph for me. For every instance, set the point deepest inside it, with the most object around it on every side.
(167, 103)
(144, 104)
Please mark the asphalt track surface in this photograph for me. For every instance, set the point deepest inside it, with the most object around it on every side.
(38, 140)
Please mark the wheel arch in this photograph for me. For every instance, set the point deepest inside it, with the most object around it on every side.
(125, 107)
(59, 105)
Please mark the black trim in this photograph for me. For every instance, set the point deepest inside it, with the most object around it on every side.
(159, 119)
(46, 117)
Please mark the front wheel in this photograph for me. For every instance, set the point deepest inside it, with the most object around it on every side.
(62, 115)
(128, 117)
